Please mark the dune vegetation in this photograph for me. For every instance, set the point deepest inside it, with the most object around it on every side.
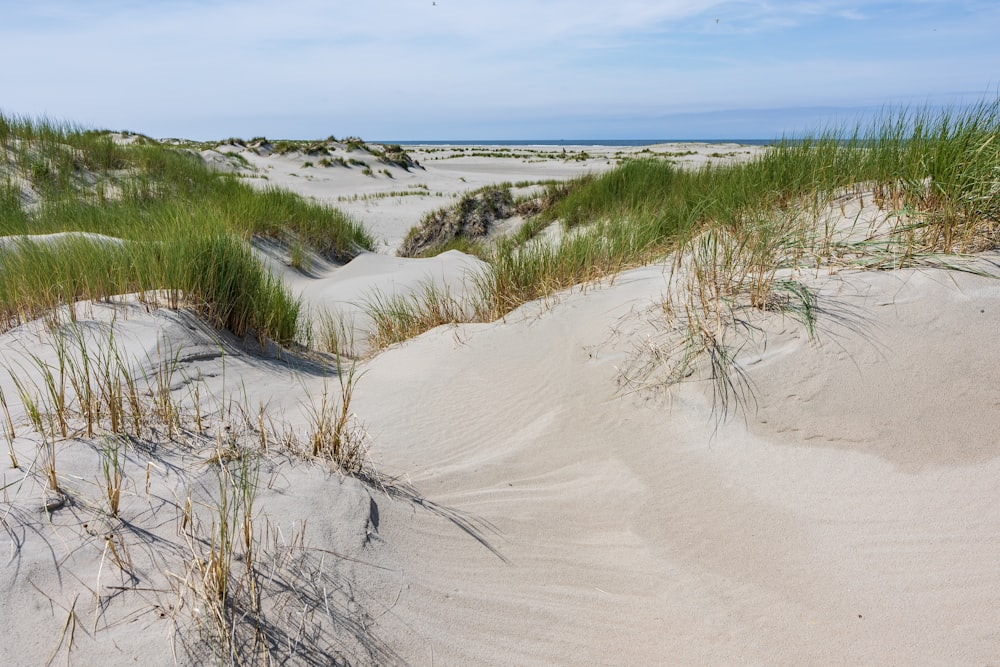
(141, 217)
(126, 221)
(129, 215)
(935, 174)
(730, 228)
(94, 216)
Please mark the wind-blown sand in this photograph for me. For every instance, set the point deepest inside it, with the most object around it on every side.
(850, 519)
(532, 508)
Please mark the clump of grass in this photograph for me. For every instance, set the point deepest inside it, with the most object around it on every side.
(334, 433)
(328, 162)
(517, 274)
(336, 335)
(218, 276)
(355, 144)
(471, 218)
(94, 385)
(400, 317)
(298, 255)
(223, 575)
(41, 417)
(112, 466)
(9, 432)
(394, 156)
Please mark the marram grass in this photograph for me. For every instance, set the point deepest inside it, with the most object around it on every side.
(184, 230)
(217, 275)
(934, 173)
(934, 176)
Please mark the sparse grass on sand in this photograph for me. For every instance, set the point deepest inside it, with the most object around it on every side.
(85, 218)
(220, 566)
(152, 221)
(933, 176)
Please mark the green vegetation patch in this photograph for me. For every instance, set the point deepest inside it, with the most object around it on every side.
(471, 218)
(186, 229)
(934, 177)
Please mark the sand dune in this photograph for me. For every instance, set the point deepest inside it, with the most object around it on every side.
(445, 172)
(848, 518)
(532, 508)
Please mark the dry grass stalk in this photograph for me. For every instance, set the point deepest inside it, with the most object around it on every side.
(112, 467)
(333, 431)
(9, 432)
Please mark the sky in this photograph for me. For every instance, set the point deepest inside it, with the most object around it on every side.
(484, 69)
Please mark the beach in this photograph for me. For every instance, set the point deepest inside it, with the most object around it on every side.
(533, 491)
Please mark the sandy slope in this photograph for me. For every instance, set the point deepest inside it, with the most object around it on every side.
(529, 510)
(850, 519)
(85, 586)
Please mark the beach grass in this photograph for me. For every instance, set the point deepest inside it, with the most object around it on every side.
(152, 221)
(462, 225)
(934, 175)
(90, 391)
(400, 317)
(334, 432)
(173, 226)
(934, 172)
(217, 275)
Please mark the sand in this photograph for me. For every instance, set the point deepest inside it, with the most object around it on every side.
(388, 201)
(529, 507)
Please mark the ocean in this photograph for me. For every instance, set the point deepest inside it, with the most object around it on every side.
(577, 142)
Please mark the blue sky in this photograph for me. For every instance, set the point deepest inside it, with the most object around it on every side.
(462, 69)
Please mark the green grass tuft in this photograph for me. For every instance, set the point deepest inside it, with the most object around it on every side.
(184, 229)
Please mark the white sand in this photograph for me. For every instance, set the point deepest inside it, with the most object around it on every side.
(534, 513)
(445, 173)
(852, 519)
